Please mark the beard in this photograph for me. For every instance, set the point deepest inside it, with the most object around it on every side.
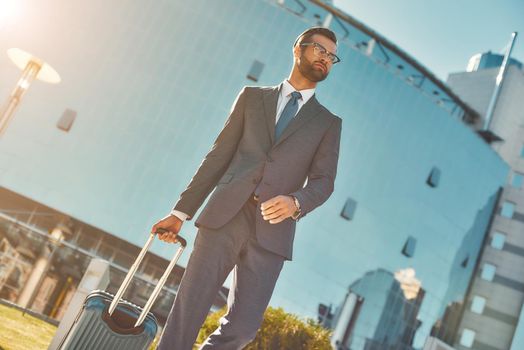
(307, 69)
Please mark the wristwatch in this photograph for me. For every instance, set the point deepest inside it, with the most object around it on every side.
(297, 212)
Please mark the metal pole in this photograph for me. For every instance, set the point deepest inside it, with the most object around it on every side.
(28, 75)
(41, 279)
(498, 83)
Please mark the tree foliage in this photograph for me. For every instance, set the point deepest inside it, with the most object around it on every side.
(279, 330)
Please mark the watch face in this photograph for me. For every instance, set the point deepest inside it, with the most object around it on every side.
(297, 204)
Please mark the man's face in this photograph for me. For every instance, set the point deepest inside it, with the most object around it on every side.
(314, 68)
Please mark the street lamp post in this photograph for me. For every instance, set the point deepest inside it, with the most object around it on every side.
(32, 68)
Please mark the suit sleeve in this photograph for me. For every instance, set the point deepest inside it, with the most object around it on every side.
(216, 161)
(322, 172)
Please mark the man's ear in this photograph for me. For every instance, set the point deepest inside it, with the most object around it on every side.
(296, 51)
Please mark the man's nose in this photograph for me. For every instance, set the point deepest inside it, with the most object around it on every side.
(325, 61)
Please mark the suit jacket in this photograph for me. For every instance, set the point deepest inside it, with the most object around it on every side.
(302, 163)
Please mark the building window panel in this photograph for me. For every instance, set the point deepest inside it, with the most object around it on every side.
(488, 272)
(434, 177)
(467, 338)
(123, 259)
(464, 263)
(66, 120)
(507, 209)
(255, 71)
(348, 211)
(87, 242)
(409, 247)
(517, 180)
(477, 304)
(106, 252)
(497, 240)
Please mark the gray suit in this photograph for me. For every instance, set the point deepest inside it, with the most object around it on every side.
(232, 232)
(245, 153)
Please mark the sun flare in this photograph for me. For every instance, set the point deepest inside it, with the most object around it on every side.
(9, 11)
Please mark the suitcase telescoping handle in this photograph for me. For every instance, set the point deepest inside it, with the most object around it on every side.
(160, 284)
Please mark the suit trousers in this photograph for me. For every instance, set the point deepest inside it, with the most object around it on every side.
(215, 253)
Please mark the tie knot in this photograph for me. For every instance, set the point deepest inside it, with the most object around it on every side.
(296, 95)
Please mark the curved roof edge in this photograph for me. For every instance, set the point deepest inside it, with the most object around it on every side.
(385, 42)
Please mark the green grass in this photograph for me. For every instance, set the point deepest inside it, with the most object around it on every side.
(22, 332)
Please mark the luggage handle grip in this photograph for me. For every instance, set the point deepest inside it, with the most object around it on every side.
(160, 284)
(179, 239)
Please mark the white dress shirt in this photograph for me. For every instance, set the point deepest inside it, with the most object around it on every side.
(283, 97)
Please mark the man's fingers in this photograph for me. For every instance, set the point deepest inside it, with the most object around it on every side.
(161, 230)
(275, 210)
(173, 238)
(157, 226)
(273, 215)
(270, 202)
(168, 237)
(266, 205)
(277, 220)
(271, 210)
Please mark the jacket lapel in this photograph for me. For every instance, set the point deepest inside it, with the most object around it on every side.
(270, 109)
(308, 111)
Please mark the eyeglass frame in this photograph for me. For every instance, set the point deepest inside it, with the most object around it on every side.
(326, 52)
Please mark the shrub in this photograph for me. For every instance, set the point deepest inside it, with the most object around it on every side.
(279, 331)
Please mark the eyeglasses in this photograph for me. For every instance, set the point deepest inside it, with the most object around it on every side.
(321, 51)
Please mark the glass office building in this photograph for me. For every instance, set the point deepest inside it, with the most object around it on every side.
(494, 316)
(147, 88)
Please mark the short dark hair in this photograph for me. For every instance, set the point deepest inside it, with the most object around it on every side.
(308, 33)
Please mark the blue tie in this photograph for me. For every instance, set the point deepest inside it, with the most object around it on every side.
(288, 113)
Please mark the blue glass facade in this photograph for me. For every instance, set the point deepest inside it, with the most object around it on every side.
(152, 86)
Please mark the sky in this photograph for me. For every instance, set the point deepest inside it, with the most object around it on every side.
(442, 35)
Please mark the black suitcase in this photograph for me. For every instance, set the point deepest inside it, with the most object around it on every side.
(108, 322)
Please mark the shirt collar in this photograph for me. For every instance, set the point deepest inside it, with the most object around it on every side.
(287, 88)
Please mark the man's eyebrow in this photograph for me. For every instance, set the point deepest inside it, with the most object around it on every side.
(333, 52)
